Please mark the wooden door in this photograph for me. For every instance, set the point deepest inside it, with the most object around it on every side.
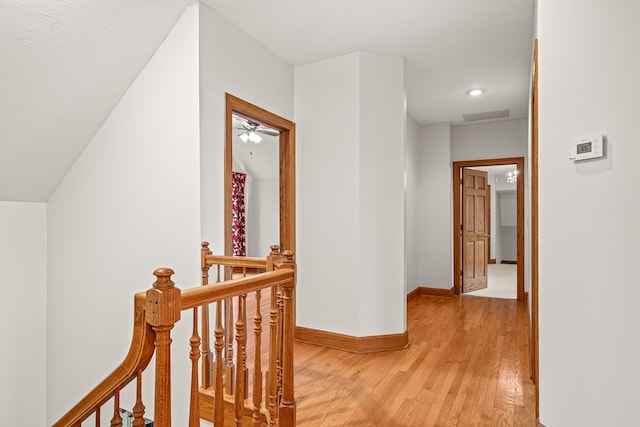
(475, 233)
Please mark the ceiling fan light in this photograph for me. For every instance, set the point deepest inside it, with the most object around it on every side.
(244, 136)
(254, 137)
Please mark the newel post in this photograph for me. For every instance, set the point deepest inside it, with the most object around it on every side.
(273, 256)
(288, 403)
(162, 312)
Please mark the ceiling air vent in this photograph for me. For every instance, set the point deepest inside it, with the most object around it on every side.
(488, 115)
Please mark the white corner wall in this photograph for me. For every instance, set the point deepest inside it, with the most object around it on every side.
(231, 61)
(327, 161)
(412, 197)
(129, 205)
(588, 212)
(435, 250)
(351, 194)
(23, 263)
(382, 296)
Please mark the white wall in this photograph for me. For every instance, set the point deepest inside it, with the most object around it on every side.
(351, 194)
(231, 61)
(382, 297)
(435, 250)
(508, 244)
(496, 233)
(23, 263)
(508, 209)
(263, 219)
(411, 205)
(129, 205)
(327, 161)
(508, 226)
(494, 215)
(507, 138)
(589, 288)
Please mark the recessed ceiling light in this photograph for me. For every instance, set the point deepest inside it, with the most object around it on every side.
(475, 92)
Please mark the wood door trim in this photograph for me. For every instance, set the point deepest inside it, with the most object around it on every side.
(457, 220)
(287, 160)
(534, 231)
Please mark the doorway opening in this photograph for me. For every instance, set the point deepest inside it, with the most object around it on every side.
(471, 221)
(253, 126)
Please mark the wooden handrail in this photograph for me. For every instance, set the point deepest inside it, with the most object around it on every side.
(232, 261)
(140, 353)
(201, 295)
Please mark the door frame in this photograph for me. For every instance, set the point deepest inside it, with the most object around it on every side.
(457, 217)
(534, 337)
(287, 161)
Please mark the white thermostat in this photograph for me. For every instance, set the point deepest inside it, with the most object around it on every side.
(584, 148)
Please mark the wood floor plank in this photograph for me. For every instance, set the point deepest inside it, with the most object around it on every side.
(466, 365)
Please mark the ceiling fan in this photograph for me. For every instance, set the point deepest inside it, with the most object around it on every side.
(251, 130)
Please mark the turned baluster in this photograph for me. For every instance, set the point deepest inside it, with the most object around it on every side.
(287, 415)
(138, 408)
(230, 369)
(240, 375)
(218, 410)
(271, 400)
(116, 421)
(207, 356)
(279, 343)
(243, 350)
(194, 411)
(273, 358)
(243, 366)
(257, 362)
(162, 312)
(97, 418)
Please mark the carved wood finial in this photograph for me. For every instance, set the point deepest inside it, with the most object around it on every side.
(275, 250)
(163, 278)
(288, 256)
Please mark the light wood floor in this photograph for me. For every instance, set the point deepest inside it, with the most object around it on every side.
(467, 365)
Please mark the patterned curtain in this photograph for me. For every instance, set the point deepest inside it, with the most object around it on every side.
(238, 228)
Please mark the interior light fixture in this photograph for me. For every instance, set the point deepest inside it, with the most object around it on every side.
(250, 136)
(254, 137)
(476, 92)
(512, 177)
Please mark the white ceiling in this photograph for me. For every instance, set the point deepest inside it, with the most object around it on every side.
(450, 46)
(66, 63)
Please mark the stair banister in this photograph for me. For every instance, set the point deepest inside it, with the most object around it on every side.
(155, 314)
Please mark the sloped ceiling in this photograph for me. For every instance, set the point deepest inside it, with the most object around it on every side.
(66, 63)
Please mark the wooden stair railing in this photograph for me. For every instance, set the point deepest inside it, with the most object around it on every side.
(156, 312)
